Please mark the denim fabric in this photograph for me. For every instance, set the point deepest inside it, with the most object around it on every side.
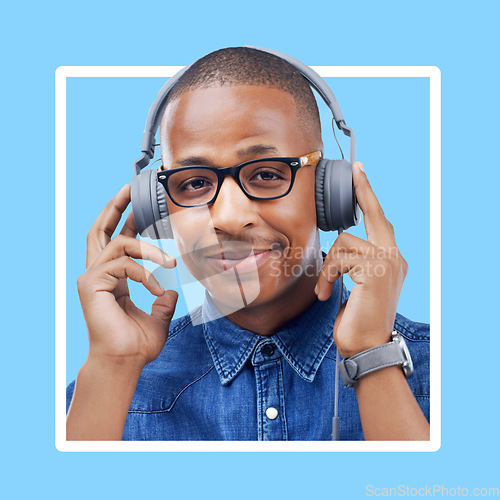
(215, 381)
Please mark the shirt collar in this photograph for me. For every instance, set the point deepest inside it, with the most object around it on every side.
(303, 342)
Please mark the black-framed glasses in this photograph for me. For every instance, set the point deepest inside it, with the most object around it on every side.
(262, 179)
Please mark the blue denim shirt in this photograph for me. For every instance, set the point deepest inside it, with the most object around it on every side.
(216, 381)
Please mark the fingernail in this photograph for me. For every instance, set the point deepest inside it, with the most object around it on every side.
(360, 166)
(316, 289)
(122, 189)
(169, 261)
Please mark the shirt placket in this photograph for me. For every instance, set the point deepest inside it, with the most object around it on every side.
(271, 416)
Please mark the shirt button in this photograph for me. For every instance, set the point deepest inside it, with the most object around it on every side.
(271, 413)
(267, 350)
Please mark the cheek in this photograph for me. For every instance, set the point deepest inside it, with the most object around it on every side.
(187, 225)
(295, 215)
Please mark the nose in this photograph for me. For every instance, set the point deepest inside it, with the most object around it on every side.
(232, 211)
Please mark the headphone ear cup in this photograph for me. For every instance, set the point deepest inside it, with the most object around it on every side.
(336, 204)
(149, 205)
(163, 222)
(319, 195)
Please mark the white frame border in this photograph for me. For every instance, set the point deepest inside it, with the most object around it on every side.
(434, 75)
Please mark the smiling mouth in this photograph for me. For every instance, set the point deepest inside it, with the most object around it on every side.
(243, 261)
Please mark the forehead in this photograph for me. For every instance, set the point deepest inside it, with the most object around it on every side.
(224, 119)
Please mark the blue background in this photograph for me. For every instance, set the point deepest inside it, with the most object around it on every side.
(458, 37)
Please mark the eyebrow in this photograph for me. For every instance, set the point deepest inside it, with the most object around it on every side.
(257, 149)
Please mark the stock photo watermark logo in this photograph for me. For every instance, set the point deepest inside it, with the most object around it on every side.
(433, 490)
(367, 261)
(226, 269)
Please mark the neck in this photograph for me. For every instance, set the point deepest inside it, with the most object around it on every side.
(266, 319)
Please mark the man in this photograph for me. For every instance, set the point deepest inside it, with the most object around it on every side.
(265, 369)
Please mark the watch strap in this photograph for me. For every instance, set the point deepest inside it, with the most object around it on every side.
(376, 358)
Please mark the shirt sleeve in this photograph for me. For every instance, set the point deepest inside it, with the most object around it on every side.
(69, 395)
(417, 337)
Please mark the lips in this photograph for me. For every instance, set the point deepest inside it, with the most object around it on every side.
(236, 254)
(243, 261)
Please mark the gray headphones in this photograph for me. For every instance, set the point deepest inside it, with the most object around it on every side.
(336, 204)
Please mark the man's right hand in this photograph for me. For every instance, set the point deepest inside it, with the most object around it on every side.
(118, 330)
(122, 338)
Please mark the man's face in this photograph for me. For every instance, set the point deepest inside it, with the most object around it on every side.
(272, 244)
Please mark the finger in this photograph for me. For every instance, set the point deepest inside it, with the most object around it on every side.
(106, 223)
(351, 243)
(347, 252)
(377, 230)
(163, 307)
(106, 277)
(127, 246)
(129, 228)
(343, 263)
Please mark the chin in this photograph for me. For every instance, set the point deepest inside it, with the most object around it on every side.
(235, 296)
(232, 291)
(240, 287)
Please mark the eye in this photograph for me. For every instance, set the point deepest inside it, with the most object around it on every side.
(266, 176)
(194, 184)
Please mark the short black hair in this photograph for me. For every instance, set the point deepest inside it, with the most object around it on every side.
(245, 66)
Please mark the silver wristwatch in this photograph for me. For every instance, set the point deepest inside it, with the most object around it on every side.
(390, 354)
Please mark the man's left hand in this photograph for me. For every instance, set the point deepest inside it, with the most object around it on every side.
(378, 269)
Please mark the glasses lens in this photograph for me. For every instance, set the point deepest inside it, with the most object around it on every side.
(266, 179)
(193, 186)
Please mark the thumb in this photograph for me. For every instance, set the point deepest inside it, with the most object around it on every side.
(163, 307)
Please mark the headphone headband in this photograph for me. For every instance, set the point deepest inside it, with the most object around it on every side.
(158, 106)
